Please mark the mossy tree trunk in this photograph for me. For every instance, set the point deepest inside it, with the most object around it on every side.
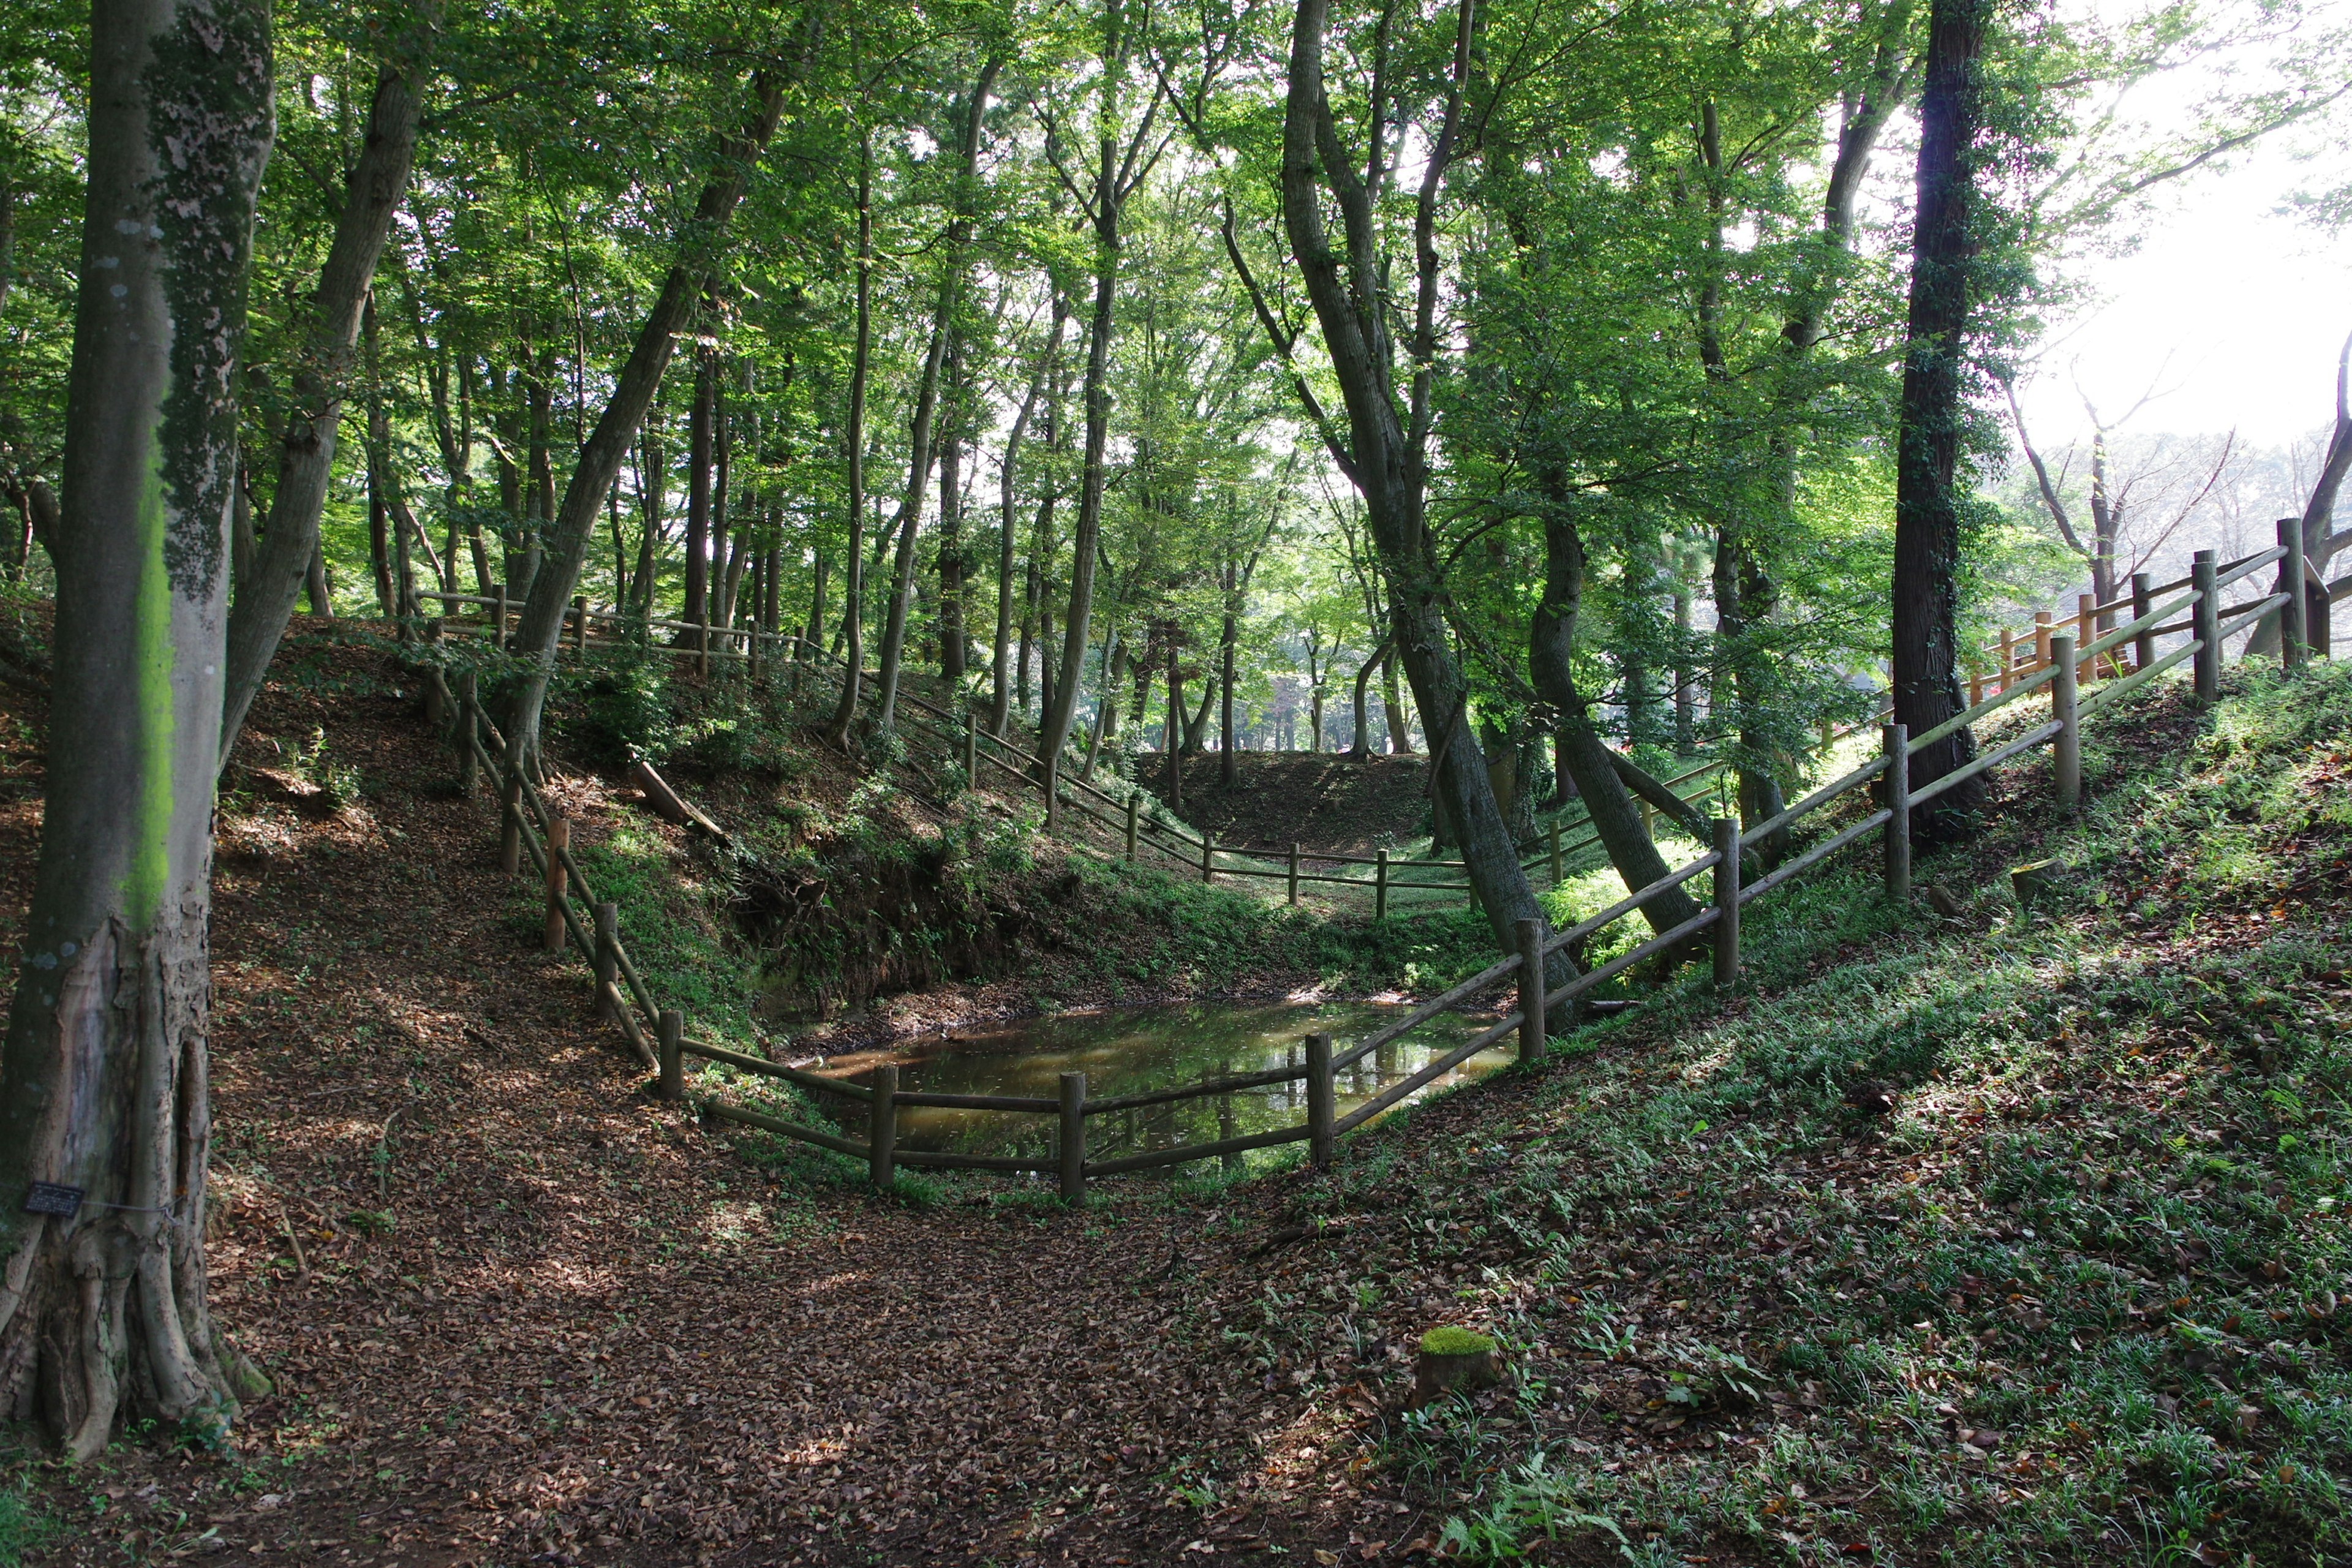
(102, 1311)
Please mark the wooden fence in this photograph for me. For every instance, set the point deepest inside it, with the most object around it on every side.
(528, 828)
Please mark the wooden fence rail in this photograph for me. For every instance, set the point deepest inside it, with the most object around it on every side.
(529, 829)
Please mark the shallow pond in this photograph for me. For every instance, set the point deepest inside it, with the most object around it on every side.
(1131, 1049)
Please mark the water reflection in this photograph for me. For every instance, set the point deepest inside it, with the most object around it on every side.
(1130, 1050)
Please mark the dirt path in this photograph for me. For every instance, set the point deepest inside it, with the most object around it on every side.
(540, 1317)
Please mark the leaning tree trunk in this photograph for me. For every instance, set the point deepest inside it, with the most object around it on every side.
(640, 377)
(306, 459)
(105, 1127)
(1361, 748)
(1926, 609)
(999, 696)
(1387, 455)
(1551, 640)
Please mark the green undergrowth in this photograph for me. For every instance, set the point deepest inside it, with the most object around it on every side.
(2027, 1227)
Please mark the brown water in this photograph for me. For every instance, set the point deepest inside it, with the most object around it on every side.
(1132, 1049)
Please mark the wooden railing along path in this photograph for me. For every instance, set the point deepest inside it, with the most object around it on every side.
(526, 826)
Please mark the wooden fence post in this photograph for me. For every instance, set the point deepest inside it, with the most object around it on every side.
(2041, 640)
(1071, 1147)
(1053, 793)
(2084, 637)
(970, 751)
(1898, 805)
(1132, 810)
(510, 823)
(1727, 901)
(2008, 658)
(1293, 874)
(1531, 932)
(559, 838)
(1322, 1115)
(702, 646)
(608, 961)
(436, 701)
(580, 624)
(1208, 848)
(1829, 736)
(882, 1129)
(1558, 865)
(1976, 683)
(2207, 626)
(2295, 635)
(670, 1029)
(499, 627)
(2144, 643)
(1380, 886)
(2066, 752)
(469, 725)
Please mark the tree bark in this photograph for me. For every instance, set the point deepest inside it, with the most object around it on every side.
(306, 458)
(103, 1313)
(1925, 599)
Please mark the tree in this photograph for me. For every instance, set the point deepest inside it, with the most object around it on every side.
(1929, 524)
(599, 462)
(1386, 451)
(103, 1314)
(1124, 153)
(290, 544)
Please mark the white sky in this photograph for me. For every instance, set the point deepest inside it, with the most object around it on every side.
(2235, 309)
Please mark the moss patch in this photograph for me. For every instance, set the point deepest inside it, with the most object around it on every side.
(1452, 1340)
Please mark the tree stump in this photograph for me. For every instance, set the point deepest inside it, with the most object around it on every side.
(1450, 1360)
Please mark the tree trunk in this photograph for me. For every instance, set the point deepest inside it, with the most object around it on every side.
(1925, 599)
(1387, 456)
(950, 619)
(103, 1313)
(861, 366)
(1551, 640)
(1114, 666)
(1393, 708)
(999, 698)
(1228, 768)
(910, 509)
(322, 592)
(599, 463)
(306, 459)
(1196, 723)
(698, 455)
(910, 518)
(1360, 749)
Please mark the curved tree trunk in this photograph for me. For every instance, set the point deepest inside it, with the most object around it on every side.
(1386, 455)
(1361, 749)
(102, 1306)
(639, 378)
(1551, 640)
(306, 458)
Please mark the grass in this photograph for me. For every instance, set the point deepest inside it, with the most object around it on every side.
(2080, 1296)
